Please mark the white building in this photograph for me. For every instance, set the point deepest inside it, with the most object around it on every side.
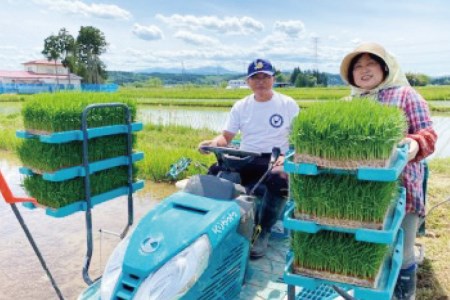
(40, 73)
(237, 84)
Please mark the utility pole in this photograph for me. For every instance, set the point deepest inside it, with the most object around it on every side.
(182, 73)
(316, 41)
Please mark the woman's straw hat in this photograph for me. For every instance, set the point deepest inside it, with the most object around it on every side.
(363, 48)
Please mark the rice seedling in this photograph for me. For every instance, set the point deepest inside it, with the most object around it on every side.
(342, 199)
(48, 113)
(357, 130)
(338, 256)
(43, 157)
(62, 111)
(59, 194)
(213, 93)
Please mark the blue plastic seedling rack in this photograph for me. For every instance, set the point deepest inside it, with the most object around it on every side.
(386, 174)
(87, 168)
(384, 290)
(320, 289)
(385, 235)
(322, 292)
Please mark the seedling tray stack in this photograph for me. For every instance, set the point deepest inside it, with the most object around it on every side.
(77, 154)
(348, 206)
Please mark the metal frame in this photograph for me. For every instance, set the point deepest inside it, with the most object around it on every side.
(87, 182)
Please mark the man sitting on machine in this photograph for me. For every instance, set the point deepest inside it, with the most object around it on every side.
(264, 120)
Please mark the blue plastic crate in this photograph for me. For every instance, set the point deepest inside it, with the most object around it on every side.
(81, 205)
(386, 235)
(322, 292)
(390, 173)
(77, 135)
(386, 284)
(79, 171)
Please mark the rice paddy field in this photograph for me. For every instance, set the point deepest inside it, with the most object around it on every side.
(165, 144)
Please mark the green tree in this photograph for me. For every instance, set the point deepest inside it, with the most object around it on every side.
(53, 51)
(417, 79)
(294, 75)
(280, 77)
(305, 80)
(60, 47)
(154, 82)
(68, 48)
(91, 43)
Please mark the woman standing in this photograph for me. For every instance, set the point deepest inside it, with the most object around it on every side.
(372, 72)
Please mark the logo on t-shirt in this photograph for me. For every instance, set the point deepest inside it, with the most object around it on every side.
(276, 120)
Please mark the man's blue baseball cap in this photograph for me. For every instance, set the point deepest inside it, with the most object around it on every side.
(260, 66)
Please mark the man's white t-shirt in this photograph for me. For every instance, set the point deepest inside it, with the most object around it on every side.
(263, 125)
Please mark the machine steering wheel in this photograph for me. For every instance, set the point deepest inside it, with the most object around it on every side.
(231, 158)
(230, 151)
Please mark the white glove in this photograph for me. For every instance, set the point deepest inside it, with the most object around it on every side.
(413, 147)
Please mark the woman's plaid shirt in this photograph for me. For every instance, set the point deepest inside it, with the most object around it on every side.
(419, 129)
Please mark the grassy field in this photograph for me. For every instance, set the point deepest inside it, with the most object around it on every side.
(317, 93)
(434, 273)
(430, 93)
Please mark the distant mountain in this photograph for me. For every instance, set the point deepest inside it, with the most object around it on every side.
(195, 71)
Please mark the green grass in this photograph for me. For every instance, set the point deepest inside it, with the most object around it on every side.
(8, 126)
(213, 93)
(438, 92)
(434, 274)
(164, 145)
(342, 197)
(338, 253)
(348, 130)
(12, 98)
(62, 111)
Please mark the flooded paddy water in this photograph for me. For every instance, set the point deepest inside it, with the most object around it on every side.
(63, 241)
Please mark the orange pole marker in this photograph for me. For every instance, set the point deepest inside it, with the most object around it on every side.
(8, 196)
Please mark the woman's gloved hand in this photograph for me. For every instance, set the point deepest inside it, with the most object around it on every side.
(413, 147)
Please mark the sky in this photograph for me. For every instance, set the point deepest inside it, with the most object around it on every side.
(186, 34)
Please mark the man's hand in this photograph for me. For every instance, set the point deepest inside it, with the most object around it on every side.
(204, 144)
(413, 147)
(279, 161)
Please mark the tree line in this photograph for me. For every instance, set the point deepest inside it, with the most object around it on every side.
(80, 55)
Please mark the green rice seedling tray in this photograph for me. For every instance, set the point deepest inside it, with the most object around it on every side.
(383, 291)
(386, 235)
(82, 204)
(390, 173)
(79, 171)
(77, 135)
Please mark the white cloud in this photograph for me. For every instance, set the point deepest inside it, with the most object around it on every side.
(148, 33)
(293, 28)
(104, 11)
(196, 39)
(356, 41)
(227, 25)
